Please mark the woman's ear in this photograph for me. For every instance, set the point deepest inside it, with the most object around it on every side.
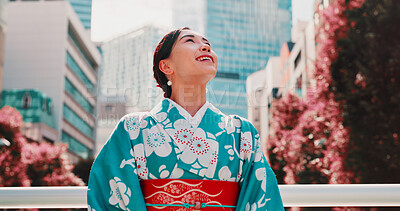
(165, 67)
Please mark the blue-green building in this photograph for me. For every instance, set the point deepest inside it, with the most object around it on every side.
(244, 34)
(36, 110)
(83, 9)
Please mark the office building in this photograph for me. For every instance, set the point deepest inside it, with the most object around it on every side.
(262, 89)
(255, 85)
(189, 14)
(36, 110)
(127, 68)
(3, 14)
(244, 34)
(290, 72)
(83, 8)
(110, 110)
(299, 60)
(48, 49)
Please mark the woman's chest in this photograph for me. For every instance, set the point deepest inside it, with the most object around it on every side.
(188, 154)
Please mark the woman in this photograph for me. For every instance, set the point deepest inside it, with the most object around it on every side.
(184, 154)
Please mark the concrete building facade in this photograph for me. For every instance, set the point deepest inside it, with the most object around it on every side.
(110, 110)
(48, 49)
(83, 8)
(3, 15)
(300, 62)
(190, 14)
(127, 69)
(290, 72)
(262, 89)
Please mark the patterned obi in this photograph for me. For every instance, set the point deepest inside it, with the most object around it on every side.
(189, 194)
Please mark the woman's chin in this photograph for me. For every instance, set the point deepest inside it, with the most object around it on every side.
(211, 71)
(210, 74)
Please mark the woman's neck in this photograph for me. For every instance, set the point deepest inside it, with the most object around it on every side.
(190, 97)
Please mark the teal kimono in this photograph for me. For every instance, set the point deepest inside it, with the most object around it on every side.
(163, 144)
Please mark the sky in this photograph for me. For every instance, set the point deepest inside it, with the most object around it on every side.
(112, 18)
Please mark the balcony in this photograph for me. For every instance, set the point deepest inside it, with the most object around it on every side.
(354, 195)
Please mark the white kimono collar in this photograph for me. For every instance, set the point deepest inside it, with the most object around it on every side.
(185, 135)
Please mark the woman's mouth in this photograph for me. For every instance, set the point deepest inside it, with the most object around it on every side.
(204, 58)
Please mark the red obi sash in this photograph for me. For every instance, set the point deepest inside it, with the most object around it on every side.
(188, 194)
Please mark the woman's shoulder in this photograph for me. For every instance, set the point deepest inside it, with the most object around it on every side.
(134, 116)
(240, 121)
(133, 122)
(235, 121)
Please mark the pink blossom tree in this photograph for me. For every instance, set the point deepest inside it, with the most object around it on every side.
(13, 168)
(31, 164)
(311, 139)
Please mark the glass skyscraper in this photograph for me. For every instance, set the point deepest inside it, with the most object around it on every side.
(84, 10)
(244, 34)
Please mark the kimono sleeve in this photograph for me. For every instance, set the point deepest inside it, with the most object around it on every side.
(113, 181)
(259, 188)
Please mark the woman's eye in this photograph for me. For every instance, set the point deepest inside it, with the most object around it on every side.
(189, 40)
(208, 44)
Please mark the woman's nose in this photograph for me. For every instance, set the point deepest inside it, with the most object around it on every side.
(206, 47)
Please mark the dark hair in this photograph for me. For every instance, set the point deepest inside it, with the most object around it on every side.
(163, 50)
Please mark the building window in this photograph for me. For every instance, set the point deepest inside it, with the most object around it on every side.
(44, 105)
(78, 96)
(299, 85)
(109, 108)
(78, 45)
(299, 81)
(75, 146)
(79, 72)
(26, 101)
(297, 60)
(275, 93)
(77, 121)
(49, 107)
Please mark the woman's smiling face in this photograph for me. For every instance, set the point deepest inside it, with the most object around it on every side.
(191, 58)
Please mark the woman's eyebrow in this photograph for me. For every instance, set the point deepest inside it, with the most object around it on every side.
(191, 35)
(188, 35)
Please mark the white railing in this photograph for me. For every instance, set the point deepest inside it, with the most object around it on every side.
(358, 195)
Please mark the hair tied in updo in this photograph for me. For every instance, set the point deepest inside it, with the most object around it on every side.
(163, 51)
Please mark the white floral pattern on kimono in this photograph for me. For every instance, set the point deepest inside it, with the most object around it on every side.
(119, 194)
(162, 144)
(157, 141)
